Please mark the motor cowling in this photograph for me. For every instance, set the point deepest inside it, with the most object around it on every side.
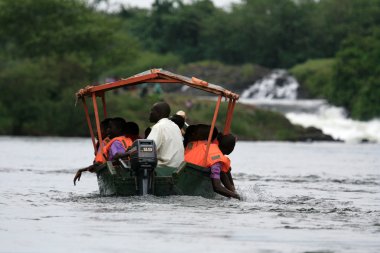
(143, 161)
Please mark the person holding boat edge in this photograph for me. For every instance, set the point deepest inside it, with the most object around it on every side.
(114, 149)
(104, 131)
(226, 145)
(166, 135)
(219, 164)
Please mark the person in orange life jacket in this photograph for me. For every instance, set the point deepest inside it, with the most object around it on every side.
(216, 161)
(104, 130)
(199, 132)
(115, 148)
(189, 135)
(132, 132)
(119, 143)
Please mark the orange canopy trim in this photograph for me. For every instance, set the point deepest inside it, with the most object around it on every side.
(157, 76)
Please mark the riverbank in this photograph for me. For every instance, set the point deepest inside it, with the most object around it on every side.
(249, 122)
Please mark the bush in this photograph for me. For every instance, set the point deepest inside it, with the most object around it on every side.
(357, 77)
(315, 77)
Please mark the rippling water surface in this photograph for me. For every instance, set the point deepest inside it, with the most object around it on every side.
(298, 197)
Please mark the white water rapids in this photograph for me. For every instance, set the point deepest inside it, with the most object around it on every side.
(278, 92)
(333, 121)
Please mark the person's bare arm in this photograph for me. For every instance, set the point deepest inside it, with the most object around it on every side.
(227, 181)
(78, 175)
(218, 188)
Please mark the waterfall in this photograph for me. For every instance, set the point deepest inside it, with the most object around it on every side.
(277, 85)
(278, 92)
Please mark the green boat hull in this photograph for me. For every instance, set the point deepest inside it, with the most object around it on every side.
(187, 179)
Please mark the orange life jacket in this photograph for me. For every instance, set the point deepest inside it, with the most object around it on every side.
(195, 153)
(102, 157)
(105, 142)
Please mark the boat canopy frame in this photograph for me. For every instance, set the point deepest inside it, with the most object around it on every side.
(155, 76)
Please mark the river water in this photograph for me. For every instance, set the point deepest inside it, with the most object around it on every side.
(298, 197)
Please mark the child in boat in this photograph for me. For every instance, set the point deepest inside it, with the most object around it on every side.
(115, 148)
(132, 130)
(180, 116)
(104, 132)
(119, 143)
(216, 160)
(178, 120)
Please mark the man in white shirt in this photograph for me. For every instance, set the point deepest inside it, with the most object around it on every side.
(167, 136)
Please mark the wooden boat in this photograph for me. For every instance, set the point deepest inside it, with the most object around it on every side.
(126, 177)
(187, 179)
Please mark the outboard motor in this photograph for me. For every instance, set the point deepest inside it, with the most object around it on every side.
(142, 162)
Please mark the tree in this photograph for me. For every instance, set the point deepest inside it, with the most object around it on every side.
(357, 76)
(48, 49)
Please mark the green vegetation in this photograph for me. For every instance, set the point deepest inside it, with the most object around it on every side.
(232, 77)
(51, 48)
(270, 33)
(351, 80)
(316, 77)
(357, 76)
(249, 123)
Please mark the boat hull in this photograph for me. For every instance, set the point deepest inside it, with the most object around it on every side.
(187, 179)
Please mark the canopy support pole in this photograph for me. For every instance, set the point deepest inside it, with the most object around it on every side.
(226, 131)
(230, 110)
(97, 121)
(104, 105)
(89, 122)
(212, 129)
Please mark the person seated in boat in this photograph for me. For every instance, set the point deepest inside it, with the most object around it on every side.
(132, 130)
(104, 125)
(147, 132)
(216, 161)
(184, 126)
(183, 115)
(189, 135)
(166, 135)
(114, 149)
(199, 132)
(120, 134)
(178, 120)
